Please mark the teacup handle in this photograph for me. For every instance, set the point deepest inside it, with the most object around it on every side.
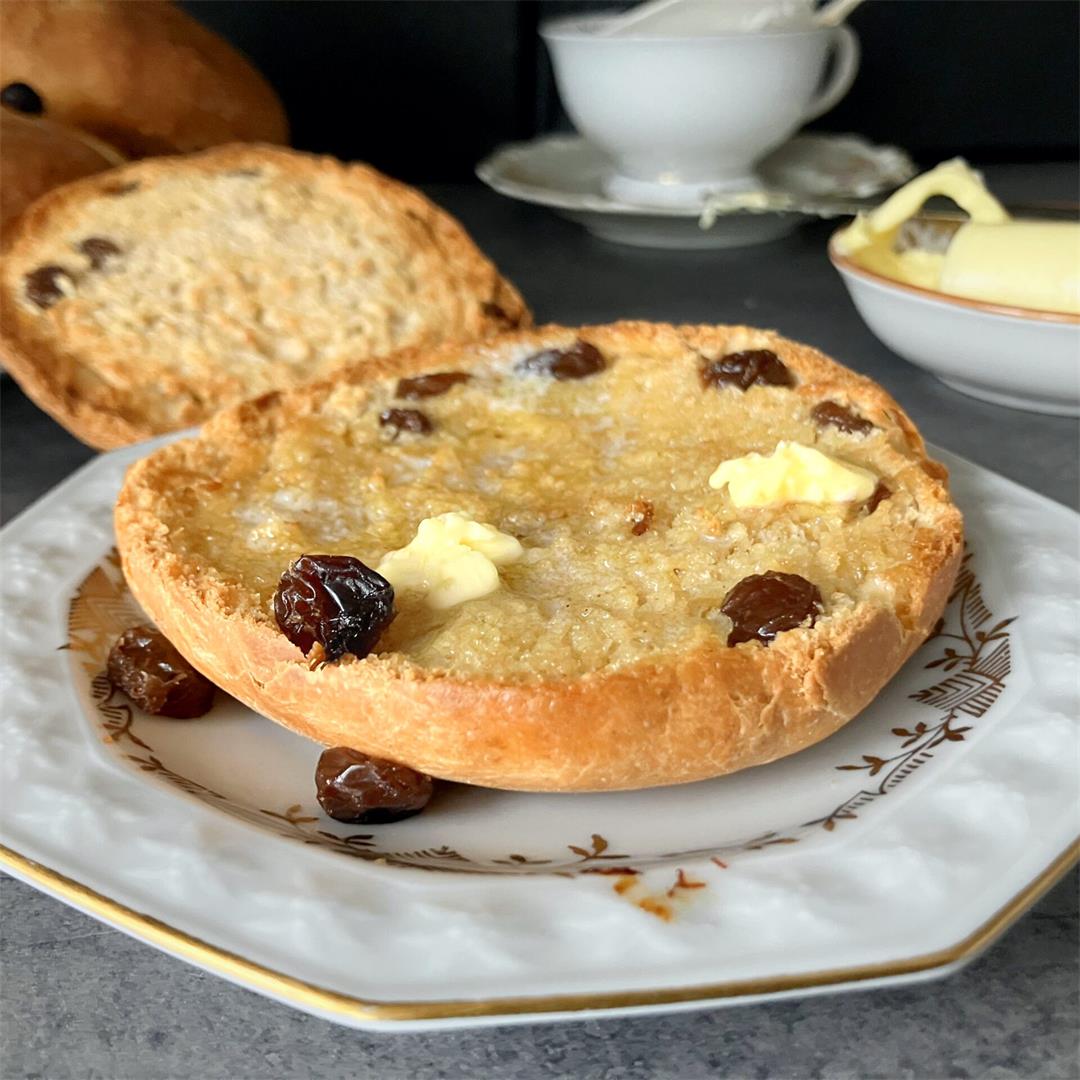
(846, 43)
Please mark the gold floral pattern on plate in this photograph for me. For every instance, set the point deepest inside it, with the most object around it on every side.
(976, 665)
(982, 661)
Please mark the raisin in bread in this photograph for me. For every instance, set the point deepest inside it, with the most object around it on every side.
(615, 651)
(141, 301)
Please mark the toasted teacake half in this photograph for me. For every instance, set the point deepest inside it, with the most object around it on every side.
(142, 300)
(602, 660)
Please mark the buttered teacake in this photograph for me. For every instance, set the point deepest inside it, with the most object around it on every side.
(575, 605)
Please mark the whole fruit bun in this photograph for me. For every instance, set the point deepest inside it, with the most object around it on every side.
(36, 155)
(140, 74)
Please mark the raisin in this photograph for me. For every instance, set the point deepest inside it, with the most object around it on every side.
(832, 414)
(115, 189)
(44, 286)
(22, 98)
(640, 516)
(434, 385)
(151, 671)
(877, 497)
(495, 311)
(411, 420)
(764, 605)
(97, 249)
(335, 601)
(577, 362)
(744, 369)
(364, 790)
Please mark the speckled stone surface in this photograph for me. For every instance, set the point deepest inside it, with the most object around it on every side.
(80, 1000)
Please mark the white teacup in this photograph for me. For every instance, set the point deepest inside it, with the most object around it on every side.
(683, 116)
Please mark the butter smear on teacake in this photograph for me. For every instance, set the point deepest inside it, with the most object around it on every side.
(451, 559)
(792, 473)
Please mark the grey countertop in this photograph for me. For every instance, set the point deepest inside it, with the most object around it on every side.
(80, 1000)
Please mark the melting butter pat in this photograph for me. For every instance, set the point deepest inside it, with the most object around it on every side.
(792, 473)
(451, 559)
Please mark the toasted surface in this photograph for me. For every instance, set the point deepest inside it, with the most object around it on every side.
(237, 271)
(601, 660)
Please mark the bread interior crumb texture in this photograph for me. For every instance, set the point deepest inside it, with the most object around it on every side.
(564, 466)
(230, 282)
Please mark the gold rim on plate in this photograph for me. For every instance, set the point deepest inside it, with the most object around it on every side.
(257, 977)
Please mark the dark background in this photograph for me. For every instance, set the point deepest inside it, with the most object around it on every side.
(424, 88)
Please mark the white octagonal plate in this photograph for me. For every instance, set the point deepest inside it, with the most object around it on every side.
(894, 850)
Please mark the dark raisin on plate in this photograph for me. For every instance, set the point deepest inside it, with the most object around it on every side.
(833, 414)
(579, 361)
(433, 385)
(364, 790)
(98, 250)
(44, 286)
(411, 420)
(745, 369)
(764, 605)
(334, 601)
(149, 668)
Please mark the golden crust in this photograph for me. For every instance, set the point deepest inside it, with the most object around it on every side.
(140, 74)
(699, 713)
(36, 156)
(108, 386)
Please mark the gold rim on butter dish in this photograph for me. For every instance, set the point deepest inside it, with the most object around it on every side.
(842, 262)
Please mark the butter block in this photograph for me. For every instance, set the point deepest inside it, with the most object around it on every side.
(1031, 264)
(991, 257)
(955, 179)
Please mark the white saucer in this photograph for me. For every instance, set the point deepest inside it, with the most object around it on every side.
(809, 176)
